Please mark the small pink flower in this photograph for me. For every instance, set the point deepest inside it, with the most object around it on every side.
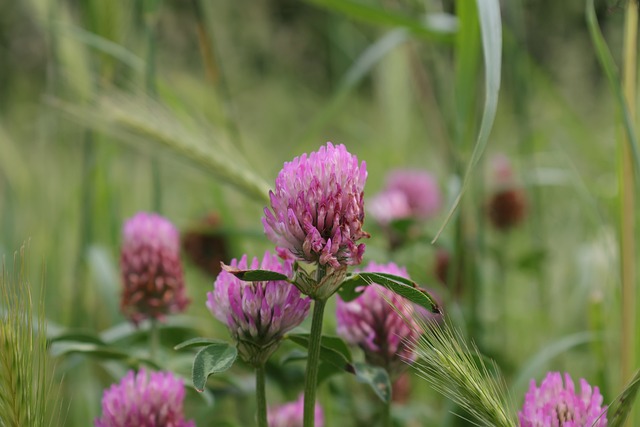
(153, 281)
(555, 404)
(257, 314)
(291, 414)
(317, 208)
(407, 194)
(380, 322)
(144, 400)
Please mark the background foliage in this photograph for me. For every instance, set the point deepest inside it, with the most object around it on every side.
(188, 107)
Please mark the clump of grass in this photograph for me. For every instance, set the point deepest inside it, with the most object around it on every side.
(459, 372)
(25, 382)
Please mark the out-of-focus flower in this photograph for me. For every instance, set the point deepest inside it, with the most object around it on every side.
(388, 206)
(507, 208)
(380, 322)
(507, 205)
(205, 247)
(144, 400)
(291, 414)
(317, 208)
(408, 199)
(445, 275)
(151, 269)
(420, 189)
(555, 404)
(257, 314)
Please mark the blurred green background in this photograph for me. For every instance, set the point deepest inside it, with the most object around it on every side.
(189, 107)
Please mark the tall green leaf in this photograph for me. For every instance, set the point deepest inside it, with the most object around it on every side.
(376, 15)
(610, 70)
(491, 34)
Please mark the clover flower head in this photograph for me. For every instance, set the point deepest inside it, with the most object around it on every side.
(420, 190)
(380, 322)
(555, 404)
(317, 207)
(144, 399)
(257, 314)
(152, 276)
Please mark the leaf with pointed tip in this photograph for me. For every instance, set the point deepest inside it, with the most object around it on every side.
(375, 377)
(212, 359)
(197, 342)
(491, 35)
(254, 275)
(402, 286)
(619, 410)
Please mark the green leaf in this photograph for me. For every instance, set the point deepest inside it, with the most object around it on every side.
(326, 371)
(619, 409)
(491, 32)
(352, 287)
(404, 287)
(437, 28)
(375, 377)
(99, 352)
(78, 336)
(255, 275)
(293, 356)
(212, 359)
(609, 67)
(333, 350)
(197, 342)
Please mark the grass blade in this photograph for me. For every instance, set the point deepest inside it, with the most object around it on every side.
(609, 68)
(491, 31)
(376, 15)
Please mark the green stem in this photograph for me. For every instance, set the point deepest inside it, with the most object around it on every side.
(311, 377)
(154, 340)
(386, 414)
(261, 396)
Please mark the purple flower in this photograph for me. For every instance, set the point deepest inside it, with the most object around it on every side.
(151, 269)
(290, 414)
(407, 194)
(317, 207)
(144, 400)
(257, 313)
(556, 405)
(385, 332)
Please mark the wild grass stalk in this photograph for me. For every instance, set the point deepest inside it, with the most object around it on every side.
(25, 380)
(458, 371)
(627, 202)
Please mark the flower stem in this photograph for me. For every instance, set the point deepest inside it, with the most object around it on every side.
(261, 396)
(386, 414)
(311, 377)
